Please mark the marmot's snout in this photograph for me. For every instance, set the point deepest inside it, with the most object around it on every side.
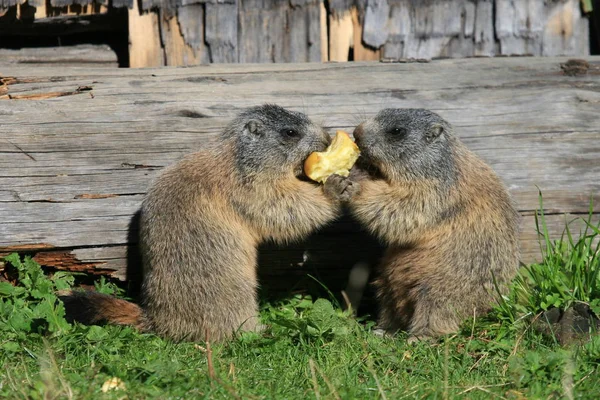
(358, 134)
(366, 144)
(321, 144)
(318, 140)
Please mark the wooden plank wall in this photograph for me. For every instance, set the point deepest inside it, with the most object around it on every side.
(249, 31)
(79, 147)
(192, 32)
(198, 31)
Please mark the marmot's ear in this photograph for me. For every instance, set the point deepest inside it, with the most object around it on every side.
(253, 127)
(434, 132)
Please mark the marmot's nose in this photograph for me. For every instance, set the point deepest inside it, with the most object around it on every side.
(321, 143)
(358, 133)
(325, 141)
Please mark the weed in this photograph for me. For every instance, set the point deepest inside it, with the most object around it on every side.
(31, 307)
(569, 273)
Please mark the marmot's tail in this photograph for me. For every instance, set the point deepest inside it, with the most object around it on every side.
(90, 307)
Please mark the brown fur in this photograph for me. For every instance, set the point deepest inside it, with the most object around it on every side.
(93, 308)
(448, 220)
(203, 218)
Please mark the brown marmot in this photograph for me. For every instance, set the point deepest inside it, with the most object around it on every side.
(449, 223)
(203, 218)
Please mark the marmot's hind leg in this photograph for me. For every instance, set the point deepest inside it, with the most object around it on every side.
(433, 318)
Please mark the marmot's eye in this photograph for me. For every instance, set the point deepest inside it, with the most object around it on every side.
(398, 131)
(289, 132)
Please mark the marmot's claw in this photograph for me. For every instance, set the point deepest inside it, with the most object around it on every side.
(340, 188)
(415, 339)
(380, 332)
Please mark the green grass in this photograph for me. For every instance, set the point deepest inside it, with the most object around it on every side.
(310, 349)
(569, 272)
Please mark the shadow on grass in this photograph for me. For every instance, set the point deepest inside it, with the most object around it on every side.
(327, 255)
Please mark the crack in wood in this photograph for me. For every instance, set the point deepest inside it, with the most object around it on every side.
(11, 80)
(95, 196)
(63, 260)
(137, 166)
(6, 81)
(66, 261)
(192, 114)
(4, 250)
(42, 201)
(41, 96)
(84, 196)
(21, 150)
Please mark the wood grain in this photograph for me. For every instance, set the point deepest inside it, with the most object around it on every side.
(341, 35)
(221, 31)
(74, 169)
(81, 55)
(192, 32)
(361, 51)
(144, 39)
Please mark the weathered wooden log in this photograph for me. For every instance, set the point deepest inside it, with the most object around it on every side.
(79, 147)
(81, 55)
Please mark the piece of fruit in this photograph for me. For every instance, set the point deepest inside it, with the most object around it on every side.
(338, 159)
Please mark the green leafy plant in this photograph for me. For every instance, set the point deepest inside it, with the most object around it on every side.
(31, 305)
(106, 287)
(306, 320)
(569, 272)
(539, 369)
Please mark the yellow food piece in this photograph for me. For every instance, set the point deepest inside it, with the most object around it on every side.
(338, 159)
(113, 383)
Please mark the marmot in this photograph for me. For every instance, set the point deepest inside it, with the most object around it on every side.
(203, 218)
(449, 223)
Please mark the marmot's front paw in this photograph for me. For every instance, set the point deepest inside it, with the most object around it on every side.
(413, 339)
(340, 188)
